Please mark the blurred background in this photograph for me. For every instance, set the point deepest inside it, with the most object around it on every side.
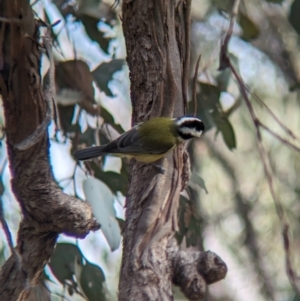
(227, 207)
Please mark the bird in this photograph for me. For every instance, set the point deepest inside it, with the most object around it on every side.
(148, 141)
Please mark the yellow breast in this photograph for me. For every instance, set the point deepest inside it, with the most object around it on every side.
(145, 158)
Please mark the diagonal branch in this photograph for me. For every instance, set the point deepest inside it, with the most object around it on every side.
(225, 62)
(46, 210)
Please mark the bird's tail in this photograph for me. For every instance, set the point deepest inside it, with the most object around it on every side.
(89, 153)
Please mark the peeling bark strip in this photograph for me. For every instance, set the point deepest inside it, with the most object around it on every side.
(157, 41)
(46, 210)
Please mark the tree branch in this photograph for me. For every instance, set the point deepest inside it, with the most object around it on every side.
(46, 210)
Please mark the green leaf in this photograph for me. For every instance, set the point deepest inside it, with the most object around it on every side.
(66, 114)
(224, 126)
(87, 138)
(189, 225)
(91, 27)
(223, 79)
(92, 282)
(228, 134)
(250, 29)
(108, 118)
(75, 75)
(101, 199)
(193, 234)
(97, 9)
(210, 94)
(294, 15)
(115, 181)
(63, 259)
(207, 103)
(197, 181)
(103, 74)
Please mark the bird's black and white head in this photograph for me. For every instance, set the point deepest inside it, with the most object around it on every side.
(189, 127)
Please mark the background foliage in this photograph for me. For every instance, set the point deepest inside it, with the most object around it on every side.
(227, 207)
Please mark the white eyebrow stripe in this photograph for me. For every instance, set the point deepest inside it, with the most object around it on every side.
(186, 119)
(191, 131)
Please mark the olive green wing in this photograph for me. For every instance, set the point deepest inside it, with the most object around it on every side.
(131, 142)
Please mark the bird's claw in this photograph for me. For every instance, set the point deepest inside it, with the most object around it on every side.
(159, 168)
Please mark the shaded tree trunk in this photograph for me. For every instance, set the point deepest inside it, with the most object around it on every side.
(46, 210)
(157, 41)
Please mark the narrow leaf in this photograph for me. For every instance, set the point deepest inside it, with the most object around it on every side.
(101, 199)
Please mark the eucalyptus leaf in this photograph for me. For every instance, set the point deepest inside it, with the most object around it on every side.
(224, 126)
(223, 79)
(228, 134)
(103, 74)
(63, 260)
(97, 9)
(115, 181)
(92, 282)
(108, 118)
(207, 103)
(189, 224)
(66, 114)
(91, 27)
(101, 199)
(197, 181)
(87, 137)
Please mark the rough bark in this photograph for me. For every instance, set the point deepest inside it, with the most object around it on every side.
(46, 210)
(157, 41)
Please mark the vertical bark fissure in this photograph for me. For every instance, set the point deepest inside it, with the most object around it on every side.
(157, 41)
(156, 73)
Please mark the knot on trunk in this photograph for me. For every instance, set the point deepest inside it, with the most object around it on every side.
(193, 271)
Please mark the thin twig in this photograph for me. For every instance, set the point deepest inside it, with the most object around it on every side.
(264, 158)
(225, 62)
(186, 59)
(195, 85)
(261, 149)
(284, 141)
(287, 130)
(283, 126)
(224, 59)
(289, 269)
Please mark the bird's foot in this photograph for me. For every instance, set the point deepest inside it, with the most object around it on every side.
(159, 168)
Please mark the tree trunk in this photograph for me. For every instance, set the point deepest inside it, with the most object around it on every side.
(157, 41)
(46, 210)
